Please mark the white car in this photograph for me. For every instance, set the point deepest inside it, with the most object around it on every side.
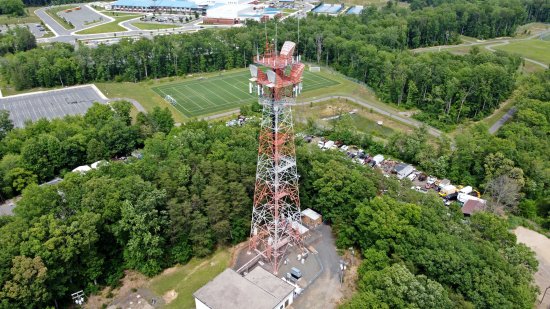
(412, 176)
(344, 148)
(320, 144)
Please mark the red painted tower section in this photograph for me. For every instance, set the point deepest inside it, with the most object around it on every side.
(276, 218)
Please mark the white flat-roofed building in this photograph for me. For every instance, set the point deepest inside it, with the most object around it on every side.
(259, 289)
(311, 218)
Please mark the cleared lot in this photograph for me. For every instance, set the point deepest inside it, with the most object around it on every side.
(541, 245)
(51, 104)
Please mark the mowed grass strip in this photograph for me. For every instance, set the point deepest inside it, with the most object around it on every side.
(187, 279)
(152, 26)
(224, 92)
(110, 26)
(538, 50)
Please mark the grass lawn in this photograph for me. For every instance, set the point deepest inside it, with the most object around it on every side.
(29, 18)
(150, 26)
(534, 49)
(186, 279)
(111, 26)
(224, 92)
(363, 119)
(53, 13)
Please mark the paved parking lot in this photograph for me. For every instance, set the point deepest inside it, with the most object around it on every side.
(51, 104)
(82, 18)
(33, 27)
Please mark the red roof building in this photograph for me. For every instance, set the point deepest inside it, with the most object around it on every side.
(473, 206)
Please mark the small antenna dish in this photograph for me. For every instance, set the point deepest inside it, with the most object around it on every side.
(253, 70)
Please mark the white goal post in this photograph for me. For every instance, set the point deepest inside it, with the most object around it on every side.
(314, 69)
(170, 100)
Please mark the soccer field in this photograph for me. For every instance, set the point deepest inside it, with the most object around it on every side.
(219, 93)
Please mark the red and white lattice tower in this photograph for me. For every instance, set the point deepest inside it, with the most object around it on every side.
(276, 219)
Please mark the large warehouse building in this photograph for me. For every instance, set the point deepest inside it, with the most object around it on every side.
(259, 289)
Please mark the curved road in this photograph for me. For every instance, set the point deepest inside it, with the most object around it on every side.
(489, 44)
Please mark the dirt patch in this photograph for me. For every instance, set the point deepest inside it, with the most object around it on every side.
(131, 281)
(541, 245)
(170, 270)
(169, 296)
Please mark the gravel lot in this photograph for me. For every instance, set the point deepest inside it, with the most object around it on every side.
(541, 245)
(33, 27)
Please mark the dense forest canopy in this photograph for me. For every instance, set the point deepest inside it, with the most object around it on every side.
(12, 7)
(191, 192)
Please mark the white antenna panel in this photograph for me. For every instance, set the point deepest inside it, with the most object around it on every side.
(253, 70)
(288, 49)
(271, 76)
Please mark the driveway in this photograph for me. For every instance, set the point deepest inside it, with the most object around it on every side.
(502, 120)
(325, 292)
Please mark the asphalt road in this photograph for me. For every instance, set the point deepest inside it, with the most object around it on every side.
(496, 126)
(51, 23)
(326, 291)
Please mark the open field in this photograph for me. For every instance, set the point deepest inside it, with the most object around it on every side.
(530, 29)
(30, 18)
(151, 26)
(186, 279)
(205, 96)
(109, 27)
(534, 49)
(53, 13)
(363, 120)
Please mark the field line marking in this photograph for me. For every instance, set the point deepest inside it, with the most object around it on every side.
(178, 103)
(214, 93)
(222, 89)
(182, 97)
(199, 94)
(189, 99)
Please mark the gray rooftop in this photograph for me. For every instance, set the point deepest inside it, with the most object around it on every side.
(401, 166)
(269, 283)
(257, 290)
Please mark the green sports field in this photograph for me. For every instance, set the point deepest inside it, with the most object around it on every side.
(200, 97)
